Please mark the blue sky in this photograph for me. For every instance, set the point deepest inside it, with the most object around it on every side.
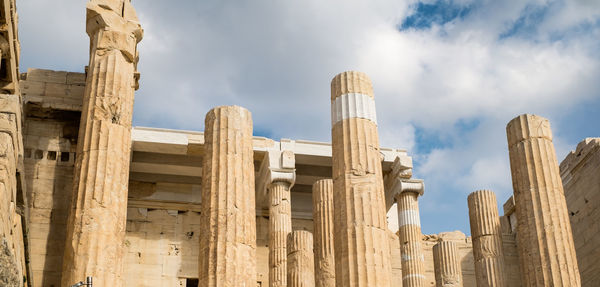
(448, 75)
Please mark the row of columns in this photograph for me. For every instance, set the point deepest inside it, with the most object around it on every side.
(361, 250)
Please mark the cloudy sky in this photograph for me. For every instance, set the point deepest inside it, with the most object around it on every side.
(448, 75)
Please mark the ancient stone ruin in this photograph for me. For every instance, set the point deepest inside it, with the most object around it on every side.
(84, 193)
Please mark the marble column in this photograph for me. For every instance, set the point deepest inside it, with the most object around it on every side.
(544, 237)
(407, 193)
(280, 225)
(362, 250)
(323, 233)
(228, 216)
(448, 271)
(487, 239)
(300, 259)
(98, 214)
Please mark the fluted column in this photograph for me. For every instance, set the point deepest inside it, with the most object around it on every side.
(300, 259)
(228, 216)
(98, 214)
(409, 235)
(362, 251)
(323, 233)
(487, 239)
(544, 237)
(448, 272)
(280, 225)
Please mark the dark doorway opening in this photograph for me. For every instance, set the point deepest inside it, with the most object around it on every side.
(191, 282)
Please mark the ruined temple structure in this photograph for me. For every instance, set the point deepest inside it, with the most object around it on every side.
(84, 193)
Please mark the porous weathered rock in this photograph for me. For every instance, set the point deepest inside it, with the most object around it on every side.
(228, 238)
(9, 269)
(487, 239)
(323, 233)
(96, 224)
(544, 237)
(447, 265)
(362, 250)
(300, 259)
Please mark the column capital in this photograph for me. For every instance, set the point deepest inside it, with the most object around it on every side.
(277, 166)
(114, 25)
(399, 180)
(408, 185)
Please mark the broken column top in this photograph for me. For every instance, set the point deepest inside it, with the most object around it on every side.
(236, 111)
(351, 82)
(116, 14)
(527, 126)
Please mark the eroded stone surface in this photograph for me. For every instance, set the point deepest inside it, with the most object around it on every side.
(544, 235)
(447, 266)
(409, 235)
(228, 238)
(580, 172)
(362, 250)
(323, 233)
(300, 259)
(97, 218)
(487, 238)
(280, 225)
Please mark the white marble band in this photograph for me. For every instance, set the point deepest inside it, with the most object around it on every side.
(409, 217)
(413, 275)
(353, 105)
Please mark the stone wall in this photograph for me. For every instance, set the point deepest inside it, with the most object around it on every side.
(12, 245)
(580, 173)
(162, 246)
(50, 135)
(13, 211)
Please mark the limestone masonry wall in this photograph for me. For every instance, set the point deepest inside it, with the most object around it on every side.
(12, 245)
(580, 172)
(50, 142)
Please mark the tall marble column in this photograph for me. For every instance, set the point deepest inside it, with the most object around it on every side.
(487, 239)
(228, 241)
(407, 193)
(277, 175)
(300, 259)
(323, 233)
(362, 250)
(448, 271)
(280, 225)
(98, 214)
(544, 237)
